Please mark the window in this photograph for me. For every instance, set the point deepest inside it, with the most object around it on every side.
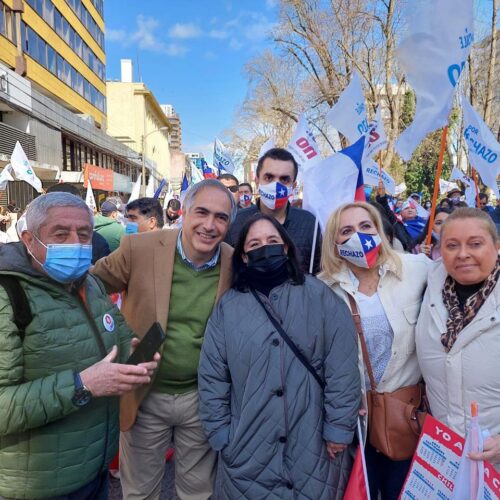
(78, 45)
(42, 52)
(48, 12)
(3, 28)
(39, 7)
(67, 73)
(58, 23)
(60, 67)
(32, 43)
(51, 60)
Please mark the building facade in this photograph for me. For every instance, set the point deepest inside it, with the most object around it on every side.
(175, 122)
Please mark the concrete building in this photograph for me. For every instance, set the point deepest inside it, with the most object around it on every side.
(53, 97)
(175, 122)
(136, 119)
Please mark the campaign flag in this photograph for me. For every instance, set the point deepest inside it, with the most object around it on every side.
(5, 177)
(269, 144)
(208, 172)
(22, 168)
(470, 186)
(169, 195)
(484, 150)
(150, 188)
(400, 188)
(196, 173)
(184, 188)
(421, 211)
(376, 139)
(89, 198)
(136, 189)
(222, 158)
(372, 174)
(348, 114)
(332, 182)
(303, 145)
(160, 188)
(433, 56)
(446, 186)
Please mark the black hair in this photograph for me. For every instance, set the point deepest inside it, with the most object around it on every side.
(247, 184)
(174, 204)
(229, 177)
(149, 207)
(423, 235)
(64, 187)
(278, 154)
(386, 223)
(484, 196)
(239, 267)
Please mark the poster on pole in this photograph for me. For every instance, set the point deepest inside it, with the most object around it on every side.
(435, 466)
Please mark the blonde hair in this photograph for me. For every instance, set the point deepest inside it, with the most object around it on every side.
(472, 213)
(332, 263)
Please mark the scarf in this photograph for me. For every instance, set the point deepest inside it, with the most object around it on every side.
(458, 319)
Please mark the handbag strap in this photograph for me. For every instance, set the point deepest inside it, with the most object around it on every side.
(357, 322)
(290, 342)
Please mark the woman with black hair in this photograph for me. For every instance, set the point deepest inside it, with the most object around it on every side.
(432, 250)
(278, 380)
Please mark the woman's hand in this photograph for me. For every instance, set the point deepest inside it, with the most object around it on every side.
(425, 249)
(491, 451)
(333, 448)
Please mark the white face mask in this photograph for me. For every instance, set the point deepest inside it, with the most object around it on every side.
(361, 249)
(274, 195)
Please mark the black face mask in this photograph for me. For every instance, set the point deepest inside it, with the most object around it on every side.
(267, 258)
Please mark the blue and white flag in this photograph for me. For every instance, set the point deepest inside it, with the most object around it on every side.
(484, 150)
(160, 188)
(333, 182)
(222, 158)
(376, 140)
(22, 168)
(348, 114)
(433, 56)
(5, 177)
(196, 172)
(184, 188)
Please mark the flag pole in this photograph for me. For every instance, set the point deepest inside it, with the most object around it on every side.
(436, 184)
(363, 459)
(474, 176)
(313, 251)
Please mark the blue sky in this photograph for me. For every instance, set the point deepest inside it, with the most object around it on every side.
(191, 54)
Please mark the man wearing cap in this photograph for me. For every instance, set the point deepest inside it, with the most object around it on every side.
(455, 196)
(107, 224)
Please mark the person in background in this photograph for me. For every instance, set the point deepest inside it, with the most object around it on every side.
(143, 214)
(107, 224)
(458, 330)
(279, 433)
(483, 203)
(428, 205)
(12, 207)
(232, 183)
(445, 203)
(495, 215)
(275, 177)
(416, 197)
(432, 250)
(398, 205)
(387, 287)
(100, 247)
(246, 195)
(173, 217)
(454, 196)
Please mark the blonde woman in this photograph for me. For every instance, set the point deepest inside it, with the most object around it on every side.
(388, 287)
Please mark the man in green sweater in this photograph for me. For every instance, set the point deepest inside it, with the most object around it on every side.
(174, 277)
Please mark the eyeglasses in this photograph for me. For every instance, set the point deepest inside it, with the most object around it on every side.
(233, 189)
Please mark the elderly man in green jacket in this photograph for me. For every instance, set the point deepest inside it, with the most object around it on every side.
(61, 344)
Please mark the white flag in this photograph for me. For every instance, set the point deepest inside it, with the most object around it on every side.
(470, 186)
(303, 145)
(196, 173)
(376, 139)
(169, 195)
(222, 158)
(136, 190)
(332, 182)
(458, 175)
(89, 198)
(22, 168)
(348, 114)
(372, 175)
(421, 211)
(432, 56)
(150, 188)
(446, 186)
(400, 188)
(5, 177)
(484, 150)
(269, 144)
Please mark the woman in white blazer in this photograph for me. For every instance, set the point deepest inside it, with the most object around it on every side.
(388, 288)
(458, 331)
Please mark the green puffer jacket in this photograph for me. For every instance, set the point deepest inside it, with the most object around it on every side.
(49, 447)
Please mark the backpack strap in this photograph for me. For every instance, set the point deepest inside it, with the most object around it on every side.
(18, 301)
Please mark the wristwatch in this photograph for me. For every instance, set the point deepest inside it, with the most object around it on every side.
(82, 396)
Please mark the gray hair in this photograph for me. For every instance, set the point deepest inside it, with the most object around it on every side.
(194, 190)
(36, 212)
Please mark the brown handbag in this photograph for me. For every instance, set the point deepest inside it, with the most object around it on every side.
(394, 418)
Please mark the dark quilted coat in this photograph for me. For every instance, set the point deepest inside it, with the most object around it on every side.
(49, 447)
(263, 409)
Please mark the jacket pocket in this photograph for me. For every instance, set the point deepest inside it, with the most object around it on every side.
(411, 313)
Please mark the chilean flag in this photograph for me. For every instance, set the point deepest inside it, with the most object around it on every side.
(370, 247)
(208, 173)
(355, 153)
(358, 487)
(281, 195)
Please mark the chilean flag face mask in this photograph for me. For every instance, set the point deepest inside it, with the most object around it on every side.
(361, 249)
(274, 195)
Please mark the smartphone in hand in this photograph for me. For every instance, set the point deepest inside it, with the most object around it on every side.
(148, 346)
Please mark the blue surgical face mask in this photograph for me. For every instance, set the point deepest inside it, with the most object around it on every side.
(66, 263)
(131, 227)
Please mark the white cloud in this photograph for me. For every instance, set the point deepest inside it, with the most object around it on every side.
(259, 30)
(271, 4)
(184, 31)
(218, 34)
(235, 44)
(115, 35)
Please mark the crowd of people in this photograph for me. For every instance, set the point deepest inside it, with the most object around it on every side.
(278, 337)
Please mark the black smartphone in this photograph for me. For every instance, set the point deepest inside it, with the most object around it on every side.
(149, 344)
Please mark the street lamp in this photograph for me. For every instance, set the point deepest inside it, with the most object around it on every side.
(144, 136)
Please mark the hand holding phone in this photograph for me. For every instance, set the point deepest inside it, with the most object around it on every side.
(148, 346)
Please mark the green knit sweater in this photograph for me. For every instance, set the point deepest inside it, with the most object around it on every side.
(191, 302)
